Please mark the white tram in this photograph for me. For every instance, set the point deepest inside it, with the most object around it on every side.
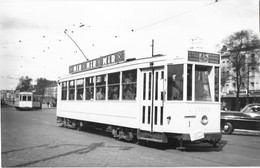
(27, 101)
(153, 99)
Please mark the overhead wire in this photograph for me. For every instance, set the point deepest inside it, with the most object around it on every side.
(172, 17)
(236, 6)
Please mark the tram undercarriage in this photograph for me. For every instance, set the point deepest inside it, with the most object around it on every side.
(137, 135)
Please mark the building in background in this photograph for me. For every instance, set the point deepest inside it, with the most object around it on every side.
(250, 87)
(50, 95)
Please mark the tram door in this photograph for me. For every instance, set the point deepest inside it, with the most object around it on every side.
(152, 100)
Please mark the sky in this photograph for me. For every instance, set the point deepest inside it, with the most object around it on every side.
(33, 42)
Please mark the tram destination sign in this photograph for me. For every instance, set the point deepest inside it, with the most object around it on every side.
(98, 62)
(203, 57)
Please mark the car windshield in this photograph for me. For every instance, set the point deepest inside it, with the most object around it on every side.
(251, 109)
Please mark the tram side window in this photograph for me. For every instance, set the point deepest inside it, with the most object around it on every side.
(202, 85)
(64, 91)
(129, 84)
(24, 98)
(113, 86)
(101, 87)
(79, 85)
(175, 82)
(216, 84)
(71, 90)
(89, 88)
(29, 98)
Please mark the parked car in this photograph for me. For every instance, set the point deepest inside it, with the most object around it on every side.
(247, 119)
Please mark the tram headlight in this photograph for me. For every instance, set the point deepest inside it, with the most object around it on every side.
(204, 120)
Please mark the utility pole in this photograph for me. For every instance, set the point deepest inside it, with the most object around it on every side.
(65, 31)
(152, 47)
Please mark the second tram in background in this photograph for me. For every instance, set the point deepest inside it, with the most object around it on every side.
(27, 101)
(152, 99)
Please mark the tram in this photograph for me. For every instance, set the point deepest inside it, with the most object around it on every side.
(149, 99)
(27, 101)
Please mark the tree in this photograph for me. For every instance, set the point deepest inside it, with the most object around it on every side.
(25, 84)
(42, 83)
(240, 46)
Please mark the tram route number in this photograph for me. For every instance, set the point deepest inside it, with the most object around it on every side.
(196, 135)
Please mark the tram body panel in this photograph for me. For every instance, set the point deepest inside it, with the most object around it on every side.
(25, 104)
(187, 118)
(124, 113)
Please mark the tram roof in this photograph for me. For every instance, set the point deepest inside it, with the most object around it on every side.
(146, 62)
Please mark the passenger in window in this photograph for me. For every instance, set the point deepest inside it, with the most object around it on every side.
(89, 94)
(113, 93)
(129, 92)
(176, 84)
(100, 95)
(129, 79)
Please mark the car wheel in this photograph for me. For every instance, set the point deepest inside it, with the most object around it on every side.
(227, 128)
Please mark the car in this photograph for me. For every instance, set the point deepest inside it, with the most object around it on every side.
(246, 119)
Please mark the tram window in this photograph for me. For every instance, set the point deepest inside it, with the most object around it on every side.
(113, 86)
(101, 87)
(29, 98)
(24, 98)
(64, 91)
(216, 84)
(89, 88)
(71, 90)
(129, 84)
(79, 83)
(202, 85)
(189, 82)
(175, 82)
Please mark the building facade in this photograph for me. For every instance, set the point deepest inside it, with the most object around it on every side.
(250, 85)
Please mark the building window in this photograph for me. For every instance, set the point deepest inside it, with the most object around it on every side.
(64, 91)
(175, 82)
(80, 88)
(89, 88)
(72, 90)
(113, 86)
(252, 84)
(101, 87)
(129, 84)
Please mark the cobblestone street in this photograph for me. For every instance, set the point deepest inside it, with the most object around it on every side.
(32, 138)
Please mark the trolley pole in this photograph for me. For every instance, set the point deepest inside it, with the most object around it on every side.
(65, 31)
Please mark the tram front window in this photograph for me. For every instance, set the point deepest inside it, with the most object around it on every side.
(175, 82)
(202, 84)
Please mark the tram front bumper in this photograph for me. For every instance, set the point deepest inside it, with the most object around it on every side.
(186, 137)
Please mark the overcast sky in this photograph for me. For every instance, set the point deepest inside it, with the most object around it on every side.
(33, 42)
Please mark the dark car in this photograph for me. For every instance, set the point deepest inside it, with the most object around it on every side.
(247, 119)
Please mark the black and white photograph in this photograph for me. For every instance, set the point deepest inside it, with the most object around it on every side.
(130, 83)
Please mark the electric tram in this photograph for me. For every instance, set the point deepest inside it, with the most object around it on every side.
(27, 101)
(150, 99)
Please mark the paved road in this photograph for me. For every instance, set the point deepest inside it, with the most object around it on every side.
(32, 138)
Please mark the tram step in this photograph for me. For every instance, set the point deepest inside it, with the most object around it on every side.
(152, 136)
